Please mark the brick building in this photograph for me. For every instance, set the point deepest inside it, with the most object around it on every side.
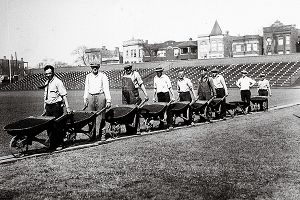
(248, 45)
(280, 39)
(104, 56)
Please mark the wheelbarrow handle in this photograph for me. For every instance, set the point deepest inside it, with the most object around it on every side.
(142, 103)
(296, 115)
(101, 111)
(170, 102)
(85, 106)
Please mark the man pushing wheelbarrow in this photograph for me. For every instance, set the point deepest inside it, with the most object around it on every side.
(131, 82)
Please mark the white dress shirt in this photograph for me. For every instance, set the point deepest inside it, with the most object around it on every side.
(162, 84)
(54, 91)
(245, 83)
(219, 82)
(184, 85)
(95, 84)
(264, 84)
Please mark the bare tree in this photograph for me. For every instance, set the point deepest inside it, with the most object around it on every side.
(80, 54)
(151, 50)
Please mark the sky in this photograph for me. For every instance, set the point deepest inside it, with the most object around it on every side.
(52, 29)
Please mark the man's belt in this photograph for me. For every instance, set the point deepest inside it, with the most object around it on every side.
(56, 103)
(96, 93)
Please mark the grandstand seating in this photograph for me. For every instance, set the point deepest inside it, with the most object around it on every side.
(280, 74)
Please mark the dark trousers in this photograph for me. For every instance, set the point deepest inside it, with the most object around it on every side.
(263, 92)
(55, 133)
(220, 94)
(245, 96)
(185, 96)
(165, 97)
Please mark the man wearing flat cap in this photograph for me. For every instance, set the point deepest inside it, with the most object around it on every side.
(131, 82)
(162, 87)
(206, 87)
(96, 97)
(221, 90)
(245, 83)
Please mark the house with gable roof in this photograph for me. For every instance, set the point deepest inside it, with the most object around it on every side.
(214, 45)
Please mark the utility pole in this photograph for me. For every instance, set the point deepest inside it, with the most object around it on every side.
(10, 67)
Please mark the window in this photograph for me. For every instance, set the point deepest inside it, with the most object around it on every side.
(280, 52)
(140, 53)
(269, 41)
(280, 40)
(214, 46)
(287, 39)
(254, 47)
(287, 52)
(127, 53)
(176, 52)
(220, 46)
(248, 47)
(238, 48)
(161, 53)
(184, 50)
(194, 50)
(134, 53)
(131, 53)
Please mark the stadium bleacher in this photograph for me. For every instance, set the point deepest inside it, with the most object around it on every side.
(280, 73)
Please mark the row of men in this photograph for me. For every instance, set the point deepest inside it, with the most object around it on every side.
(97, 94)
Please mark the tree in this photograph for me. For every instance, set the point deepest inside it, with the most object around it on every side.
(81, 56)
(151, 50)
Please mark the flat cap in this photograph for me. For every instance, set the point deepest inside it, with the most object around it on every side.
(215, 70)
(128, 66)
(159, 69)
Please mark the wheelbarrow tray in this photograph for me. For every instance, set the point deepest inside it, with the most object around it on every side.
(239, 104)
(32, 125)
(231, 106)
(259, 99)
(79, 119)
(123, 114)
(179, 107)
(153, 110)
(199, 105)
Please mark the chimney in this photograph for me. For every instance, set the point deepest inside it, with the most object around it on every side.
(104, 47)
(227, 32)
(117, 49)
(4, 57)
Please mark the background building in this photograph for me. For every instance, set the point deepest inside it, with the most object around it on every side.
(280, 39)
(17, 69)
(248, 45)
(170, 50)
(214, 45)
(133, 51)
(104, 56)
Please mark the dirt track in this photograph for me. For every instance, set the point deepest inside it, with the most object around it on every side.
(251, 157)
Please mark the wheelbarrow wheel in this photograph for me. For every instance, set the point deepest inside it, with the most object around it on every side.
(208, 113)
(113, 130)
(18, 146)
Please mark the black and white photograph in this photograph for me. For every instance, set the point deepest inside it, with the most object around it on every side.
(157, 99)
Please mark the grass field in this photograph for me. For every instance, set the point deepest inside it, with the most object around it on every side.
(20, 104)
(249, 157)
